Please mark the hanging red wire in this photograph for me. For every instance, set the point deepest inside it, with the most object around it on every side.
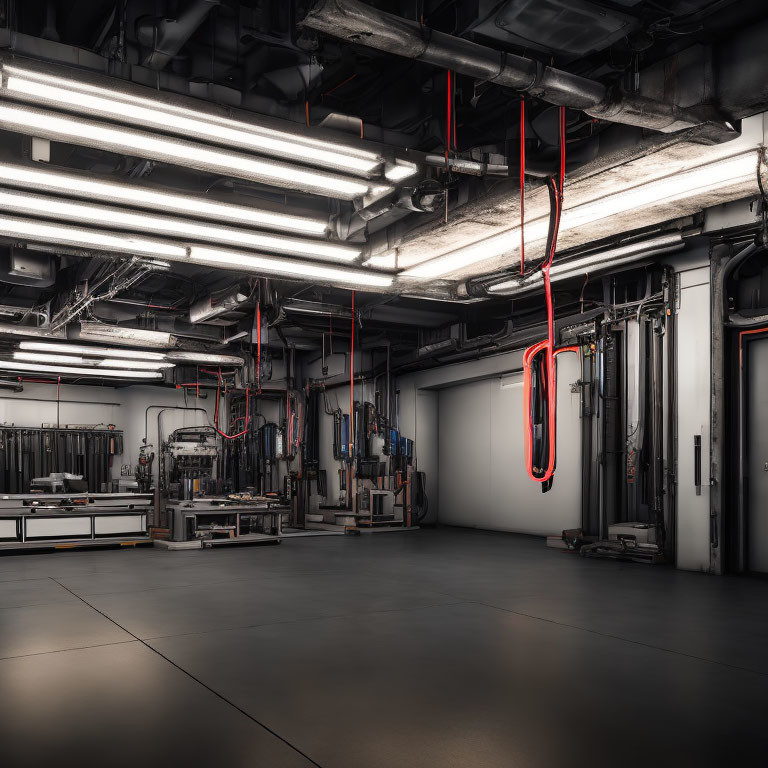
(216, 413)
(539, 474)
(522, 187)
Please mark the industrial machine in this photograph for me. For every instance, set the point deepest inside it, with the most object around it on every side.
(188, 462)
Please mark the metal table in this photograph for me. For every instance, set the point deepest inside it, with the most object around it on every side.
(187, 518)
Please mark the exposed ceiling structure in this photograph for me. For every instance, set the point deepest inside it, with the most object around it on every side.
(165, 166)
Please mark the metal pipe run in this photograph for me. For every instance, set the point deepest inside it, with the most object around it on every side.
(357, 23)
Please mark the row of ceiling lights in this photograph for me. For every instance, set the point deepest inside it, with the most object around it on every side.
(109, 362)
(87, 100)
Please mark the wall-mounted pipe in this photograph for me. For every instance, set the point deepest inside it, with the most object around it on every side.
(357, 23)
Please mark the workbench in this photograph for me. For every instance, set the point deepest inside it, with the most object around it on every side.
(206, 518)
(30, 520)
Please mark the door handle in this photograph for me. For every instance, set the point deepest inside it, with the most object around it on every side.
(697, 463)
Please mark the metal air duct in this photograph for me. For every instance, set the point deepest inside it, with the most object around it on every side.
(357, 23)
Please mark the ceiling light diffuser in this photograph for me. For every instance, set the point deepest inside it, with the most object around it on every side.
(229, 259)
(85, 239)
(140, 365)
(104, 216)
(91, 188)
(114, 104)
(78, 349)
(58, 127)
(59, 370)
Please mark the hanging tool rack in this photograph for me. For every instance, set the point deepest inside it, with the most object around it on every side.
(26, 453)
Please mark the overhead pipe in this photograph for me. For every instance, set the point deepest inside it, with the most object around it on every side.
(166, 37)
(214, 305)
(357, 23)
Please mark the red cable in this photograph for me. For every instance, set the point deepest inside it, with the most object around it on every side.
(216, 413)
(557, 187)
(522, 187)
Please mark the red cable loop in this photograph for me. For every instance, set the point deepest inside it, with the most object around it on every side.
(548, 344)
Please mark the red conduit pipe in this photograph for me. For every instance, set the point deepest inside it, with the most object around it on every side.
(522, 187)
(216, 413)
(556, 192)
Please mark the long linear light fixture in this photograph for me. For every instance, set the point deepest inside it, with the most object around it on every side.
(58, 370)
(175, 356)
(92, 239)
(130, 141)
(252, 263)
(115, 192)
(607, 259)
(77, 349)
(107, 216)
(115, 104)
(713, 176)
(87, 239)
(139, 365)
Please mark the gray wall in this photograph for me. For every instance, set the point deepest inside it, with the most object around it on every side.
(124, 407)
(482, 478)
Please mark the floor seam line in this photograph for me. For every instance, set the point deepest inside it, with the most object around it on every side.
(192, 677)
(622, 639)
(66, 650)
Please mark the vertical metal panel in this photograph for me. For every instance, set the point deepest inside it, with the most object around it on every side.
(693, 368)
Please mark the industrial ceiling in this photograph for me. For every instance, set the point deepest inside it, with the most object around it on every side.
(165, 167)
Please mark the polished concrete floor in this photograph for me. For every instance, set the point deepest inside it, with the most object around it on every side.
(439, 648)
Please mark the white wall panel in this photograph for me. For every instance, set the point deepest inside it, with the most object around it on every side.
(482, 477)
(693, 382)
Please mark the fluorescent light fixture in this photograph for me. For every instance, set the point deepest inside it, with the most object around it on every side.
(78, 349)
(699, 181)
(44, 180)
(87, 99)
(229, 259)
(176, 356)
(595, 262)
(41, 357)
(86, 239)
(401, 170)
(112, 362)
(59, 370)
(140, 365)
(104, 216)
(204, 357)
(75, 237)
(76, 130)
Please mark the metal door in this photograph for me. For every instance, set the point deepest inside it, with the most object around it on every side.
(757, 451)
